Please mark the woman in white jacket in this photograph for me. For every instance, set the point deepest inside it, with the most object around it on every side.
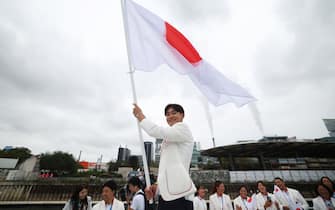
(218, 200)
(264, 199)
(79, 199)
(199, 202)
(330, 184)
(243, 201)
(324, 201)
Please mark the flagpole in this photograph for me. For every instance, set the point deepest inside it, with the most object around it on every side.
(131, 73)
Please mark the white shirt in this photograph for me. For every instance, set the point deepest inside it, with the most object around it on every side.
(220, 202)
(176, 155)
(261, 199)
(245, 204)
(291, 198)
(117, 205)
(138, 202)
(199, 203)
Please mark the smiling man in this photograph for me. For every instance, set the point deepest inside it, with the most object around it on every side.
(175, 186)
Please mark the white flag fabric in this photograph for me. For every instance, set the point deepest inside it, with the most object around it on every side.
(153, 42)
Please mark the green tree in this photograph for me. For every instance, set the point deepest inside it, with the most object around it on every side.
(59, 162)
(21, 153)
(113, 166)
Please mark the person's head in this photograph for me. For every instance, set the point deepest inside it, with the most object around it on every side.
(108, 191)
(261, 187)
(201, 191)
(134, 184)
(79, 195)
(243, 191)
(218, 187)
(328, 182)
(174, 113)
(323, 191)
(280, 183)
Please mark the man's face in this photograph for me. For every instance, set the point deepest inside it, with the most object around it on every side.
(107, 194)
(280, 184)
(173, 117)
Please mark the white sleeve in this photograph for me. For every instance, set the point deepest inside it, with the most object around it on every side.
(138, 203)
(195, 204)
(176, 133)
(230, 204)
(259, 203)
(211, 204)
(67, 206)
(302, 200)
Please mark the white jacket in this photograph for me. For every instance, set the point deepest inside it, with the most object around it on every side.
(199, 203)
(215, 202)
(319, 204)
(260, 200)
(295, 197)
(248, 204)
(117, 205)
(176, 152)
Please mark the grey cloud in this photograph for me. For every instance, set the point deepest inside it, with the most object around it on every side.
(307, 56)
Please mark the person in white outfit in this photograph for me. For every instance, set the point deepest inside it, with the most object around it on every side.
(79, 199)
(138, 201)
(109, 201)
(289, 199)
(218, 200)
(324, 201)
(264, 199)
(329, 183)
(175, 186)
(199, 202)
(243, 201)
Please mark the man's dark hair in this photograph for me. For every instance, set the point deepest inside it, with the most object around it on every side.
(135, 181)
(278, 178)
(175, 107)
(111, 184)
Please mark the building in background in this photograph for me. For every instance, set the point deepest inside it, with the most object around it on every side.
(123, 154)
(196, 156)
(293, 159)
(149, 151)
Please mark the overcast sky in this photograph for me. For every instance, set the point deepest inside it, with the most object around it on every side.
(64, 83)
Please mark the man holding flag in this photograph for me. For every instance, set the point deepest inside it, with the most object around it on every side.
(175, 186)
(152, 42)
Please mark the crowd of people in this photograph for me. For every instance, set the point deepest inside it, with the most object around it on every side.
(175, 189)
(282, 198)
